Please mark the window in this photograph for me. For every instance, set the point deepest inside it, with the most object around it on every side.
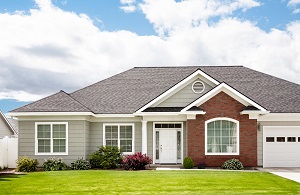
(222, 137)
(51, 138)
(270, 139)
(280, 139)
(291, 139)
(120, 135)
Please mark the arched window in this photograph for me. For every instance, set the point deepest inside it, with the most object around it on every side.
(222, 136)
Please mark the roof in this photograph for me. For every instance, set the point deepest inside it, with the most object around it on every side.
(14, 124)
(128, 91)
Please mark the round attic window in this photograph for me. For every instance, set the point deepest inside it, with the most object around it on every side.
(198, 87)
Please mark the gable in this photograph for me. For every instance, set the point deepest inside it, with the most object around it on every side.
(186, 95)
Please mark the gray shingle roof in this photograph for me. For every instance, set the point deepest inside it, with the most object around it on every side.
(128, 91)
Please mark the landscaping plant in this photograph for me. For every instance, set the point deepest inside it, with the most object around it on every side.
(233, 164)
(188, 163)
(107, 157)
(53, 164)
(26, 164)
(81, 164)
(136, 161)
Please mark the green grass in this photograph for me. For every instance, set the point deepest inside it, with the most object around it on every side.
(147, 182)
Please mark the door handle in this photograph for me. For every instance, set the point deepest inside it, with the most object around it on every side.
(160, 148)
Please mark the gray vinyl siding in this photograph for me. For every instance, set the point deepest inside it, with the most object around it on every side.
(260, 136)
(185, 96)
(87, 139)
(75, 141)
(4, 129)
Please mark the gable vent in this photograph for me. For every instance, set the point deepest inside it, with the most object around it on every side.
(198, 87)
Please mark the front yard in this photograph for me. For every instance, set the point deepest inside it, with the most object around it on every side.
(147, 182)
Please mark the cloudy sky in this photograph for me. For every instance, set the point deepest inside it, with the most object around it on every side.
(47, 46)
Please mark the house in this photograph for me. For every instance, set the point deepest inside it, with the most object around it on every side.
(8, 126)
(209, 113)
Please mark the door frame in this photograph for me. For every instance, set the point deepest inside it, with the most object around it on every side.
(179, 161)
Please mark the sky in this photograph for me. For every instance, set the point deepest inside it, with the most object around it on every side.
(47, 46)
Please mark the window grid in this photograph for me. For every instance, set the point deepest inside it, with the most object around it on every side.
(120, 136)
(51, 138)
(221, 137)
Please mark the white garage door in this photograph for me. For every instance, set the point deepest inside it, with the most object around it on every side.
(281, 147)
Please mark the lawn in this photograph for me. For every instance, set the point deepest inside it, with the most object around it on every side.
(147, 182)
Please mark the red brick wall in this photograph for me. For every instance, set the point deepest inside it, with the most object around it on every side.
(222, 105)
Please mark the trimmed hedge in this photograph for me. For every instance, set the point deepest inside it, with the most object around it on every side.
(26, 164)
(188, 163)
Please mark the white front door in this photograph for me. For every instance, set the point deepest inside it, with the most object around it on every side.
(168, 146)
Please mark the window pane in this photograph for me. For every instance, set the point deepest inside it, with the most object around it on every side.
(59, 145)
(126, 145)
(270, 139)
(178, 145)
(125, 132)
(291, 139)
(59, 131)
(112, 142)
(43, 131)
(43, 145)
(157, 144)
(280, 139)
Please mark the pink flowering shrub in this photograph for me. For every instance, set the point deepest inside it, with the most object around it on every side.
(136, 161)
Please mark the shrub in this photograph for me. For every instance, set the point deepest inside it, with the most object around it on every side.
(136, 161)
(188, 163)
(107, 157)
(201, 165)
(1, 168)
(81, 164)
(233, 164)
(52, 164)
(26, 164)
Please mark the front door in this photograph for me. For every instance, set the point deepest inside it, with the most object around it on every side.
(168, 146)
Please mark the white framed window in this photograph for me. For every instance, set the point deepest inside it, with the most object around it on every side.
(198, 87)
(120, 135)
(222, 136)
(51, 138)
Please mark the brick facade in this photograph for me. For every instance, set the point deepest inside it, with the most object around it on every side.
(222, 105)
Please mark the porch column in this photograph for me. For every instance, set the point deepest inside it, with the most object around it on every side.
(144, 137)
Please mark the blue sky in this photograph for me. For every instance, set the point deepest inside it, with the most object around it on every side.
(55, 45)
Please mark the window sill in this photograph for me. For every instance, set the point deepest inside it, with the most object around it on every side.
(51, 154)
(222, 154)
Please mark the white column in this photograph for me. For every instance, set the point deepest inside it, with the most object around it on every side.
(144, 137)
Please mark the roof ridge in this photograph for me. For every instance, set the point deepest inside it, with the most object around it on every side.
(189, 66)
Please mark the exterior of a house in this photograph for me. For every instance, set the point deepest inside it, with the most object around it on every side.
(8, 126)
(210, 113)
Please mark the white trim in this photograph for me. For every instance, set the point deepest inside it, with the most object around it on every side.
(51, 138)
(16, 114)
(254, 114)
(237, 136)
(181, 83)
(121, 124)
(144, 137)
(154, 139)
(279, 117)
(194, 89)
(228, 90)
(114, 115)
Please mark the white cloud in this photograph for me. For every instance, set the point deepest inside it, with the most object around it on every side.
(50, 49)
(293, 2)
(128, 8)
(296, 11)
(127, 1)
(167, 15)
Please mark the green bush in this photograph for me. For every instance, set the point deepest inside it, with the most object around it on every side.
(188, 163)
(107, 157)
(233, 164)
(26, 164)
(52, 164)
(1, 168)
(81, 164)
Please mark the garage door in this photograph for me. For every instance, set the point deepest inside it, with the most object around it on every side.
(281, 147)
